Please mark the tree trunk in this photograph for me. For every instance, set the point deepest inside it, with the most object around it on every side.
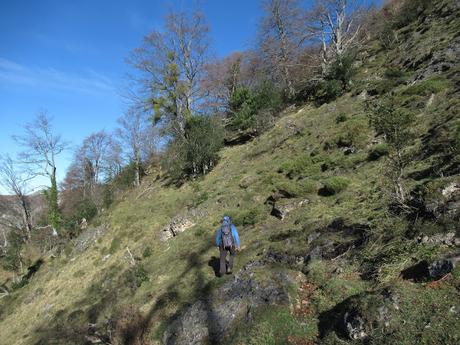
(137, 178)
(54, 216)
(26, 215)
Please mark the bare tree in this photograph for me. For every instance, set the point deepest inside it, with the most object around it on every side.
(134, 130)
(336, 24)
(16, 183)
(42, 148)
(94, 154)
(189, 40)
(171, 63)
(222, 77)
(114, 159)
(280, 38)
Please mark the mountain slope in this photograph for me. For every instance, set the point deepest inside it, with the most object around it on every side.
(337, 267)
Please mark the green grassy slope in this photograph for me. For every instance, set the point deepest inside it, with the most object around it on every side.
(305, 151)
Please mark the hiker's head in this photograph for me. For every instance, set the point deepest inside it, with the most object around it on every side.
(226, 220)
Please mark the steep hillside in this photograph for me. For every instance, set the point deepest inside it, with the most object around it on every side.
(325, 258)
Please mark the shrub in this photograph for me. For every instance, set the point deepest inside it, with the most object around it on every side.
(128, 175)
(114, 245)
(353, 133)
(196, 153)
(296, 188)
(298, 166)
(427, 87)
(342, 117)
(254, 109)
(11, 256)
(84, 209)
(147, 252)
(243, 107)
(393, 77)
(334, 185)
(134, 277)
(378, 151)
(200, 232)
(394, 73)
(267, 96)
(397, 127)
(342, 70)
(387, 36)
(327, 91)
(244, 218)
(204, 139)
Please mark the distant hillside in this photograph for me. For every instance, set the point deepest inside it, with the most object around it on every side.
(327, 257)
(10, 211)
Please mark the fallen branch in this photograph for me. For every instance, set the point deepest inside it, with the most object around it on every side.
(144, 191)
(133, 262)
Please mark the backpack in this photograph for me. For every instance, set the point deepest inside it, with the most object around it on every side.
(227, 238)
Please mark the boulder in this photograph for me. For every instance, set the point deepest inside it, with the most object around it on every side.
(425, 271)
(354, 325)
(181, 223)
(357, 316)
(208, 319)
(448, 239)
(281, 208)
(439, 268)
(335, 239)
(88, 237)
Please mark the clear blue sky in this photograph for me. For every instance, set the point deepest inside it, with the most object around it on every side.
(68, 57)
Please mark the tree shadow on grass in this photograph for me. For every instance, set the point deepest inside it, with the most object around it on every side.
(215, 264)
(80, 324)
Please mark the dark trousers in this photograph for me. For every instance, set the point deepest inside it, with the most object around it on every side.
(223, 255)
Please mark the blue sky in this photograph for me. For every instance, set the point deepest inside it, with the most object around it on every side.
(68, 57)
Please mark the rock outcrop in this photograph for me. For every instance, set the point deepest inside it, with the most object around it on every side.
(181, 223)
(209, 319)
(88, 237)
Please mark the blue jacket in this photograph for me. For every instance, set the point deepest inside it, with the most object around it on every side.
(234, 234)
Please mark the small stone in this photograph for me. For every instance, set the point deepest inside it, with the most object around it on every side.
(450, 190)
(338, 270)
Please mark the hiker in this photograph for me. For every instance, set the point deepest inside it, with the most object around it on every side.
(227, 240)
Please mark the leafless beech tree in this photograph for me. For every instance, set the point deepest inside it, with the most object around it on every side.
(42, 146)
(281, 35)
(16, 183)
(114, 159)
(222, 77)
(336, 24)
(136, 133)
(171, 63)
(93, 154)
